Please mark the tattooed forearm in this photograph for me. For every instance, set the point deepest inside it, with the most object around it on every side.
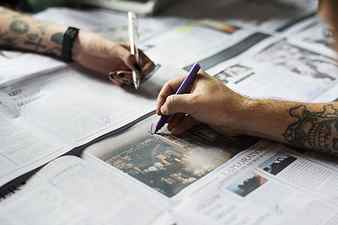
(314, 130)
(19, 26)
(24, 33)
(57, 38)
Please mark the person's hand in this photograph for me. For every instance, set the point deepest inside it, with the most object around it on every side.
(209, 101)
(110, 60)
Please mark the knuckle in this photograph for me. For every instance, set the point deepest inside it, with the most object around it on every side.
(194, 99)
(166, 85)
(171, 102)
(171, 99)
(130, 58)
(161, 96)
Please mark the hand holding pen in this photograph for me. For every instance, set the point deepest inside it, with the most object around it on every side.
(182, 89)
(209, 101)
(139, 64)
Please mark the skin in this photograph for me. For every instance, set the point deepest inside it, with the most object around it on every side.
(303, 125)
(91, 51)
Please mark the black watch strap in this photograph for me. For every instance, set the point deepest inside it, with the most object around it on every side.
(69, 38)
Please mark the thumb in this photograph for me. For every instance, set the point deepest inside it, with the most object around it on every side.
(177, 104)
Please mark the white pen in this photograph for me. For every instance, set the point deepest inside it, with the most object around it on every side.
(133, 34)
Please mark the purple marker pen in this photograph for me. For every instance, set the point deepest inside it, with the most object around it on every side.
(188, 81)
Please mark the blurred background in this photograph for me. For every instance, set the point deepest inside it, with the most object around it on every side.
(139, 6)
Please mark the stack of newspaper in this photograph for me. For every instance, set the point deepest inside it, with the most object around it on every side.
(134, 177)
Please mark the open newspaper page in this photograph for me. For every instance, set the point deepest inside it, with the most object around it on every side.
(163, 163)
(278, 68)
(314, 35)
(193, 42)
(268, 185)
(71, 191)
(47, 116)
(329, 96)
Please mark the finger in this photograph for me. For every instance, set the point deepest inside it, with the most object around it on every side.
(103, 66)
(185, 124)
(145, 63)
(112, 78)
(178, 104)
(144, 66)
(123, 77)
(175, 120)
(168, 88)
(144, 59)
(130, 60)
(147, 69)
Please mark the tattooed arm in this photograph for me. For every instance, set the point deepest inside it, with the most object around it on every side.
(22, 32)
(91, 51)
(311, 126)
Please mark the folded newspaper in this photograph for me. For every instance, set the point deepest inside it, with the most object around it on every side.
(200, 178)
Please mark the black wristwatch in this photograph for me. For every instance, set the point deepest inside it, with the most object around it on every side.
(69, 38)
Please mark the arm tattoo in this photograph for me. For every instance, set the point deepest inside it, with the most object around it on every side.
(22, 33)
(57, 38)
(314, 130)
(19, 27)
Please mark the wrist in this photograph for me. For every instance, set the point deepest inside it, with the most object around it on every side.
(249, 119)
(70, 45)
(245, 116)
(262, 118)
(76, 51)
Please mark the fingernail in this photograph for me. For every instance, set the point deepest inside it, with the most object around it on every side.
(162, 111)
(111, 76)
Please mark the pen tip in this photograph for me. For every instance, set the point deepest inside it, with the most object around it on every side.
(136, 81)
(157, 128)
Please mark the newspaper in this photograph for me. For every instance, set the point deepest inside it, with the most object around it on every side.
(282, 67)
(265, 183)
(184, 49)
(50, 108)
(72, 191)
(53, 113)
(166, 164)
(314, 35)
(38, 102)
(269, 184)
